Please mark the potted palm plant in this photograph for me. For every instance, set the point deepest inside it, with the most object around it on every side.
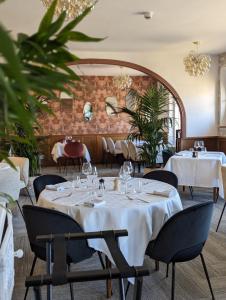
(149, 119)
(31, 66)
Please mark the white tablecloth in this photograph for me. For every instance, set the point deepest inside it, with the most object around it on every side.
(58, 151)
(142, 220)
(203, 171)
(10, 182)
(6, 256)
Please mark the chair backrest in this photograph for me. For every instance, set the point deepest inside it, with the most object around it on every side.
(73, 149)
(132, 151)
(111, 145)
(23, 164)
(164, 176)
(41, 221)
(125, 149)
(183, 236)
(104, 144)
(223, 172)
(40, 183)
(166, 154)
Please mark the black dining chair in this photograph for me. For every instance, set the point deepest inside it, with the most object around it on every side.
(44, 221)
(41, 181)
(182, 238)
(166, 154)
(164, 176)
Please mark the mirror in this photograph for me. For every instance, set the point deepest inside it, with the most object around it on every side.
(111, 104)
(129, 101)
(88, 111)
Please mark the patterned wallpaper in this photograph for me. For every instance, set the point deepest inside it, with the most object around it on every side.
(68, 114)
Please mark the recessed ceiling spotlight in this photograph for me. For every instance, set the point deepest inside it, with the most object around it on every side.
(147, 14)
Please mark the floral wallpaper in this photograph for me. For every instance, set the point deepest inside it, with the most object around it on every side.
(68, 116)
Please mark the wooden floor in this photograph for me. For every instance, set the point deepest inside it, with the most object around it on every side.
(190, 279)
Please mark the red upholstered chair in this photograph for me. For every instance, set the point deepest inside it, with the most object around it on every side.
(73, 151)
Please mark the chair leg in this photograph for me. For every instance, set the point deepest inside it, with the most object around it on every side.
(101, 260)
(19, 208)
(191, 191)
(29, 195)
(121, 289)
(71, 284)
(138, 288)
(207, 275)
(221, 216)
(215, 194)
(156, 265)
(127, 288)
(173, 281)
(167, 270)
(31, 273)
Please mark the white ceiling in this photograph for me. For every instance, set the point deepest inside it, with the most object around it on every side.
(176, 23)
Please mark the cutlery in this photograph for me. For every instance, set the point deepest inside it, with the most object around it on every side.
(62, 196)
(139, 199)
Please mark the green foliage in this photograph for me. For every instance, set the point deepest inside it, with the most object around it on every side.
(149, 120)
(32, 66)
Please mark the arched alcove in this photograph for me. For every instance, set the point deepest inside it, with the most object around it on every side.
(146, 71)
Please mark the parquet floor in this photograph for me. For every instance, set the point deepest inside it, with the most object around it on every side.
(190, 279)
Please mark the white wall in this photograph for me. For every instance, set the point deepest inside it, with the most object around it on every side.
(199, 94)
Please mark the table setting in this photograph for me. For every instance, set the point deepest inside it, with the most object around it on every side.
(139, 205)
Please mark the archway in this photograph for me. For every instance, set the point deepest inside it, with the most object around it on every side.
(146, 71)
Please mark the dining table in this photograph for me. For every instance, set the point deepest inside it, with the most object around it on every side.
(142, 210)
(10, 181)
(58, 151)
(204, 170)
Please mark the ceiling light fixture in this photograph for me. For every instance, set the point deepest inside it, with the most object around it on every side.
(197, 64)
(122, 81)
(73, 8)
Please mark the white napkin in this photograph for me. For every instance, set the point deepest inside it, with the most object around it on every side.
(58, 188)
(165, 193)
(94, 203)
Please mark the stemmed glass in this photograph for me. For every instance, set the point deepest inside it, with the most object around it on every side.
(128, 167)
(124, 176)
(87, 168)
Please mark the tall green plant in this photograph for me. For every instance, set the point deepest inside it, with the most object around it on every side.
(34, 65)
(149, 120)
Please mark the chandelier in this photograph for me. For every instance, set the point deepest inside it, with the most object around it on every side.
(73, 8)
(122, 81)
(197, 64)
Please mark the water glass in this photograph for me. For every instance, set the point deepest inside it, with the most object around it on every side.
(138, 187)
(78, 181)
(124, 187)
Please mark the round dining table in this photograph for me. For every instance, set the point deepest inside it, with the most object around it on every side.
(142, 213)
(58, 151)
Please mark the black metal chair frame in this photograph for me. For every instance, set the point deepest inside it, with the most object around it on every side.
(59, 274)
(221, 215)
(39, 250)
(182, 255)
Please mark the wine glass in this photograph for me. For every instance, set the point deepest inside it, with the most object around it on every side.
(87, 168)
(202, 145)
(124, 175)
(128, 167)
